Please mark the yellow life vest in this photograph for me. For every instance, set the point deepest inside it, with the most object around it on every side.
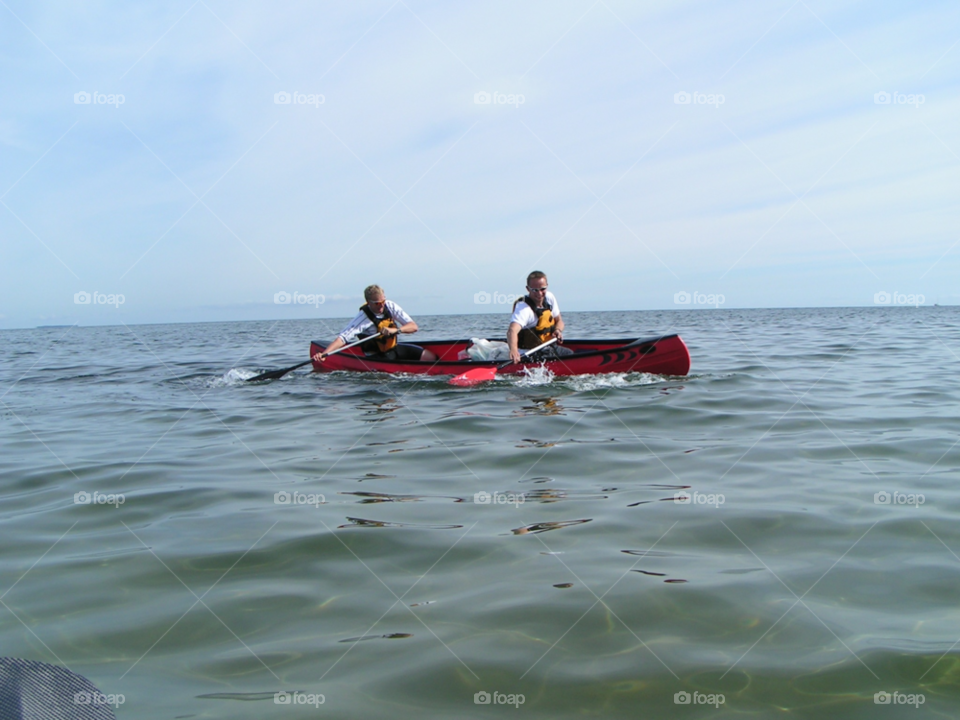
(384, 344)
(541, 332)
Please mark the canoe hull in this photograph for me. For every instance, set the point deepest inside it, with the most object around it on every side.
(666, 355)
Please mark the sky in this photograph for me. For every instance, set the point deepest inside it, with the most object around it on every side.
(682, 155)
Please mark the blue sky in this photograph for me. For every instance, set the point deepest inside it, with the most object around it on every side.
(201, 198)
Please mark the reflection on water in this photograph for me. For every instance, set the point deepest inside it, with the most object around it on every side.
(375, 497)
(549, 495)
(388, 636)
(533, 443)
(378, 410)
(360, 522)
(547, 526)
(541, 406)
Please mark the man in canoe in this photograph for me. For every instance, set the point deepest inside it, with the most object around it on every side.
(383, 321)
(536, 319)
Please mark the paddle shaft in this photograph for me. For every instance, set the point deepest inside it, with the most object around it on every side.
(528, 352)
(277, 374)
(361, 341)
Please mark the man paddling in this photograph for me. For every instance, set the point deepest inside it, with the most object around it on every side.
(383, 321)
(536, 319)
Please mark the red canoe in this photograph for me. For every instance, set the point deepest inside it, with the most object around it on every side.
(667, 355)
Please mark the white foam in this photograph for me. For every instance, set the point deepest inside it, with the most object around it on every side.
(537, 375)
(583, 383)
(235, 376)
(540, 375)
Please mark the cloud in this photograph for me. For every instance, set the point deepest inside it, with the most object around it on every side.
(400, 177)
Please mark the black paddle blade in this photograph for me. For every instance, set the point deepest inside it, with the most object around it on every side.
(277, 374)
(31, 689)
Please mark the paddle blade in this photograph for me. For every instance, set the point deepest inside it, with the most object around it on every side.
(277, 374)
(274, 375)
(474, 377)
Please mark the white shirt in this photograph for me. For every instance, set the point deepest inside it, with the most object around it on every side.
(361, 324)
(525, 317)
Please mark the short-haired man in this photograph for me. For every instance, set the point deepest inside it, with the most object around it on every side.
(536, 319)
(383, 321)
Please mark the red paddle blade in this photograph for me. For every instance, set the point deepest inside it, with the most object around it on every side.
(474, 377)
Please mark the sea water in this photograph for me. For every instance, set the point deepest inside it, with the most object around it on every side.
(775, 534)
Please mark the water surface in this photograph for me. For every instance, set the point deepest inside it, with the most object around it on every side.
(785, 584)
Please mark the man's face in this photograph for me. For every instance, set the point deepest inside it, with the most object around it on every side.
(538, 290)
(378, 303)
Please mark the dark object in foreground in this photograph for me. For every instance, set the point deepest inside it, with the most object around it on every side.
(32, 690)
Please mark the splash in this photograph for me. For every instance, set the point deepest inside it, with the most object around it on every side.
(234, 376)
(534, 376)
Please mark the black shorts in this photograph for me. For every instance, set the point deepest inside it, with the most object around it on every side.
(550, 353)
(402, 351)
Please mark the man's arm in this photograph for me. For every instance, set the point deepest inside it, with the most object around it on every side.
(513, 333)
(558, 330)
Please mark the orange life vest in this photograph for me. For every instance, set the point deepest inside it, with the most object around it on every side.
(541, 332)
(384, 344)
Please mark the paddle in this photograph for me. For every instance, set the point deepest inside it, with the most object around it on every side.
(485, 374)
(277, 374)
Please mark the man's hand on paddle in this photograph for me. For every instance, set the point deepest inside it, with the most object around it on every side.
(322, 356)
